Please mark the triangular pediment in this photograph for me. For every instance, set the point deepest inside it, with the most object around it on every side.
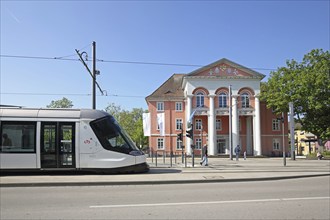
(225, 68)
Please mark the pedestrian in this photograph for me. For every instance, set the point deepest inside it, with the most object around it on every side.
(319, 156)
(237, 151)
(205, 160)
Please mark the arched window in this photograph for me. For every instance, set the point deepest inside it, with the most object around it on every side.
(245, 100)
(222, 100)
(200, 99)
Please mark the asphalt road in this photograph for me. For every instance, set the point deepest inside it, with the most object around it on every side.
(305, 198)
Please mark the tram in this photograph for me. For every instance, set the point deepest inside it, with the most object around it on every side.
(66, 139)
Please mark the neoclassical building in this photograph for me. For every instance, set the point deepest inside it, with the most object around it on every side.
(222, 102)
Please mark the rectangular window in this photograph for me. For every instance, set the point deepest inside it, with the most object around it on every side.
(178, 106)
(218, 125)
(222, 100)
(160, 143)
(198, 143)
(276, 125)
(178, 124)
(160, 106)
(18, 137)
(198, 124)
(178, 144)
(276, 144)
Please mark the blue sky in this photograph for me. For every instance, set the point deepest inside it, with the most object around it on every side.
(261, 35)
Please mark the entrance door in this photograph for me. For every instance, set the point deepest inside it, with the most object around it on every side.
(221, 146)
(57, 145)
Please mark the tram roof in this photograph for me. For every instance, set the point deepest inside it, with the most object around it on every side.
(52, 113)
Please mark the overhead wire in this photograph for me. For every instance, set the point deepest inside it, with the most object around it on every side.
(71, 55)
(64, 58)
(118, 61)
(67, 94)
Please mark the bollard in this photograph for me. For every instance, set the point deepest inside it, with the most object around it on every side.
(175, 157)
(171, 154)
(182, 153)
(193, 155)
(152, 156)
(185, 160)
(156, 157)
(164, 154)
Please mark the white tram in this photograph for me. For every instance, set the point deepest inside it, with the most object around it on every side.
(66, 139)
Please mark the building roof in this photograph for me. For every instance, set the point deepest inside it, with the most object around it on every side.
(170, 88)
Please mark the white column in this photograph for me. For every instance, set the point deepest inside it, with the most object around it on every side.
(235, 128)
(188, 113)
(257, 128)
(211, 127)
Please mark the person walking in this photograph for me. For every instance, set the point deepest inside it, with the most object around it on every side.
(205, 160)
(237, 151)
(319, 156)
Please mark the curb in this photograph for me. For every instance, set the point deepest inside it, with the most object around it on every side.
(154, 182)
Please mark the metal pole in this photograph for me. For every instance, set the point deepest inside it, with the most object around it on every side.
(94, 75)
(193, 158)
(185, 159)
(284, 158)
(171, 158)
(293, 152)
(156, 157)
(202, 143)
(230, 126)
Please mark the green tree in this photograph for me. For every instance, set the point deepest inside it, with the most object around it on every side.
(137, 130)
(130, 121)
(62, 103)
(307, 85)
(114, 110)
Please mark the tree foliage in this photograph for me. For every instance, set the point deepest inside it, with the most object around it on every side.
(131, 121)
(62, 103)
(307, 85)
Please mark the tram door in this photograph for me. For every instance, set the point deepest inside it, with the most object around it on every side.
(57, 145)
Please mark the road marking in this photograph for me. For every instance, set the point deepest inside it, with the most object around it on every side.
(205, 203)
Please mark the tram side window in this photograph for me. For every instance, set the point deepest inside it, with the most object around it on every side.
(18, 137)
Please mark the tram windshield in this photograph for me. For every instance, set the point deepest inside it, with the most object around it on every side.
(113, 137)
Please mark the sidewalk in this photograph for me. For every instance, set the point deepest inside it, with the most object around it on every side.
(219, 170)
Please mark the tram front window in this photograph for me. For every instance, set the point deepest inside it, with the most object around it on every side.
(112, 136)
